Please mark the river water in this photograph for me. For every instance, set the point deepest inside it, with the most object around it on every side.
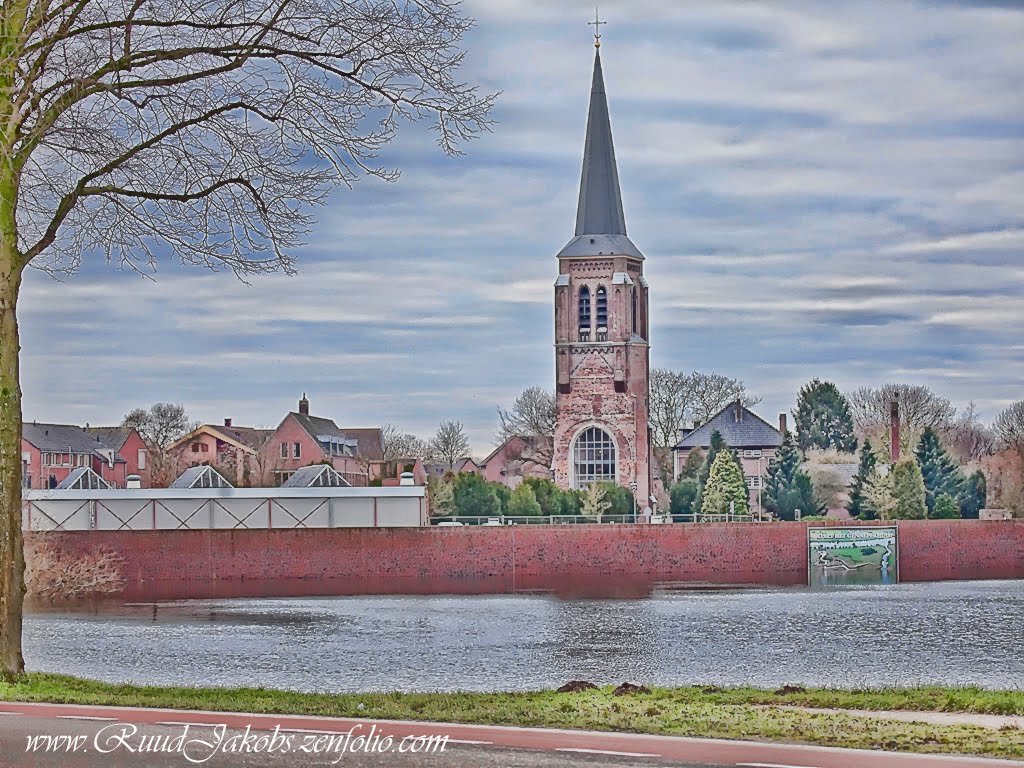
(949, 633)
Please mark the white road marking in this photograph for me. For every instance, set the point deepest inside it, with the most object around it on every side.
(179, 722)
(605, 752)
(10, 713)
(466, 741)
(306, 730)
(86, 717)
(773, 765)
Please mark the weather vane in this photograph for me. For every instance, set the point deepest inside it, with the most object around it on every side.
(596, 24)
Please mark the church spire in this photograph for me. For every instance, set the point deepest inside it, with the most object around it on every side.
(600, 206)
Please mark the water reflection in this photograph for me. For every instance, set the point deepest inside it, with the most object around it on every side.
(944, 633)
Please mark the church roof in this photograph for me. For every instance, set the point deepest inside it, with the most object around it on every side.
(600, 221)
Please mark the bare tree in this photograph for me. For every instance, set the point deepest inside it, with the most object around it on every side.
(1009, 426)
(671, 404)
(396, 444)
(919, 408)
(160, 426)
(450, 443)
(967, 438)
(201, 130)
(532, 417)
(712, 392)
(677, 398)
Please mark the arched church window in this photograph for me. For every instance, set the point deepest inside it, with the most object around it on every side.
(593, 458)
(602, 308)
(584, 313)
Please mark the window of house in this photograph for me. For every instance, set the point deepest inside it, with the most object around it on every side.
(195, 447)
(754, 481)
(593, 458)
(204, 448)
(142, 459)
(296, 450)
(584, 314)
(602, 308)
(284, 450)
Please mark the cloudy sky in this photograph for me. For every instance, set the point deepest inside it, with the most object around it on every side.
(831, 190)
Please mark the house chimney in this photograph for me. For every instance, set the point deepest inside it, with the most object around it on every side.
(783, 427)
(739, 410)
(894, 431)
(227, 422)
(304, 405)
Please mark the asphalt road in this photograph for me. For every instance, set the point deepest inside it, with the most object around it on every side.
(48, 735)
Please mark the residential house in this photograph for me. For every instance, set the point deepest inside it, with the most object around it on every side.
(50, 452)
(754, 439)
(128, 443)
(301, 439)
(234, 451)
(518, 457)
(438, 469)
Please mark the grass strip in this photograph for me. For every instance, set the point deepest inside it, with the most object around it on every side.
(730, 713)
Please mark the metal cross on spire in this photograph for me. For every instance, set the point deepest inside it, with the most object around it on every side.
(596, 24)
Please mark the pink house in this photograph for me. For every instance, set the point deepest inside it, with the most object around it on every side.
(301, 439)
(50, 452)
(516, 458)
(233, 451)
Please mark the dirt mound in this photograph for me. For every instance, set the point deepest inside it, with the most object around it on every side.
(629, 689)
(790, 689)
(575, 686)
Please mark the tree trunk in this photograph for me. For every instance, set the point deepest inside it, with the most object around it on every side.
(12, 557)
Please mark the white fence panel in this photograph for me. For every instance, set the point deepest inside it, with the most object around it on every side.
(240, 513)
(124, 514)
(300, 513)
(354, 513)
(62, 515)
(186, 514)
(393, 513)
(199, 509)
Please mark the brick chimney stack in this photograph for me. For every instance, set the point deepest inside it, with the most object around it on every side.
(783, 427)
(894, 431)
(227, 422)
(739, 410)
(304, 405)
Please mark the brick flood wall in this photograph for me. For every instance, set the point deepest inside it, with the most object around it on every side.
(568, 559)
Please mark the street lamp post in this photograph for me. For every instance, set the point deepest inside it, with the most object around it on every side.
(633, 487)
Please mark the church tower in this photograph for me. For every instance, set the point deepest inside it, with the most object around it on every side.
(602, 348)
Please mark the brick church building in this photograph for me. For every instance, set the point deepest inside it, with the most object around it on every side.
(602, 339)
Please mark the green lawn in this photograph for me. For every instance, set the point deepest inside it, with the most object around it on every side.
(736, 713)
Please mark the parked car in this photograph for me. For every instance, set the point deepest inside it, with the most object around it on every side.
(492, 521)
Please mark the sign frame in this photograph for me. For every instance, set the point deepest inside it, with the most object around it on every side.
(866, 528)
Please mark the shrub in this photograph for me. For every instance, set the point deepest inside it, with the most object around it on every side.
(49, 575)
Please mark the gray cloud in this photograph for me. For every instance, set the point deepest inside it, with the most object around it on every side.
(830, 193)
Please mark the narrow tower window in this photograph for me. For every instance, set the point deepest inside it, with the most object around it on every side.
(634, 311)
(593, 458)
(602, 314)
(584, 313)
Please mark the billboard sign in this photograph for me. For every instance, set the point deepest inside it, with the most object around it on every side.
(857, 555)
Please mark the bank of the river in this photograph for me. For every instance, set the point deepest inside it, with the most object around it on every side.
(735, 713)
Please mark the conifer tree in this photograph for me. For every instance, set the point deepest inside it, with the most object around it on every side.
(692, 466)
(860, 505)
(974, 496)
(717, 444)
(683, 497)
(908, 492)
(726, 490)
(787, 487)
(523, 502)
(823, 418)
(940, 473)
(945, 508)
